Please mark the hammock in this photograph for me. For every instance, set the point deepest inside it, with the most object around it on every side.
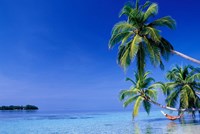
(171, 117)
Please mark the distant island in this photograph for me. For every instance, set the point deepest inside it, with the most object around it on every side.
(27, 107)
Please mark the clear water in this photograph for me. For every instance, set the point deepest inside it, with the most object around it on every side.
(93, 123)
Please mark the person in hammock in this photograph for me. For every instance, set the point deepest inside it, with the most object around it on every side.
(172, 117)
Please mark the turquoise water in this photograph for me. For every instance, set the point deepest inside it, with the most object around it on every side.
(93, 123)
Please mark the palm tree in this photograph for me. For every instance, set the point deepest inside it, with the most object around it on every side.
(138, 38)
(183, 87)
(140, 92)
(144, 91)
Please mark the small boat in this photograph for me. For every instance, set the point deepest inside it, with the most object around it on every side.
(171, 117)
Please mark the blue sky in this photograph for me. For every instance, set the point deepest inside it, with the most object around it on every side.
(54, 53)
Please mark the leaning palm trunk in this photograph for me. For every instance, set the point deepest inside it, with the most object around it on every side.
(185, 56)
(171, 108)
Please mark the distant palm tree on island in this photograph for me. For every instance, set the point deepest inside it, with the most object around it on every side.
(27, 107)
(139, 38)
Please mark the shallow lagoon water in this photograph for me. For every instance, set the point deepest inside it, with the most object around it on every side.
(16, 122)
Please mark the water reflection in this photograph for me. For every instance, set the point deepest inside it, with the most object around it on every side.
(154, 126)
(136, 128)
(146, 129)
(171, 127)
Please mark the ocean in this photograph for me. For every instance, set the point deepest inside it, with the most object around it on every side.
(38, 122)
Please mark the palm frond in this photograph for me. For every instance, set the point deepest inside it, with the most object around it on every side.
(167, 88)
(124, 56)
(134, 46)
(122, 26)
(148, 81)
(165, 48)
(173, 75)
(153, 33)
(146, 74)
(164, 21)
(184, 99)
(117, 38)
(151, 11)
(157, 85)
(136, 106)
(162, 67)
(128, 10)
(152, 93)
(151, 52)
(130, 100)
(129, 79)
(137, 4)
(147, 106)
(193, 78)
(127, 93)
(172, 98)
(190, 92)
(167, 44)
(147, 4)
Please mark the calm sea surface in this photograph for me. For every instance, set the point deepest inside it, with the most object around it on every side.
(16, 122)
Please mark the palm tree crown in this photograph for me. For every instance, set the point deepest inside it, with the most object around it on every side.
(139, 38)
(140, 92)
(184, 83)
